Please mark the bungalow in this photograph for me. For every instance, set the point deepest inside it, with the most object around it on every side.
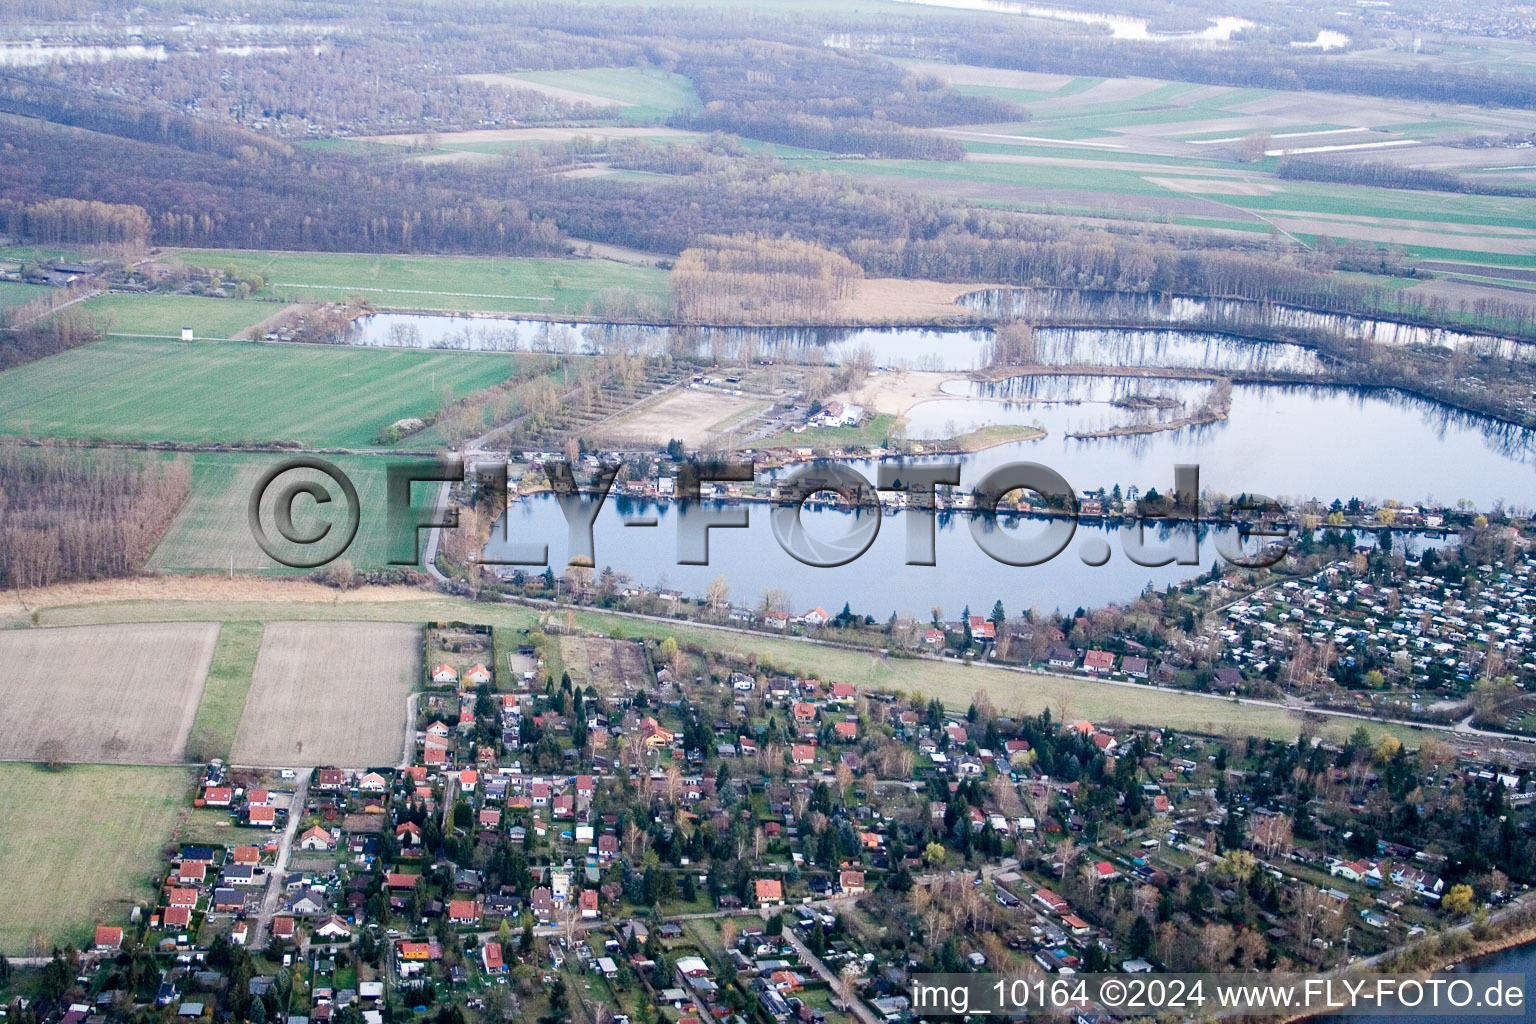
(261, 816)
(333, 927)
(176, 917)
(1061, 657)
(1135, 667)
(776, 620)
(588, 902)
(851, 882)
(802, 754)
(478, 675)
(247, 856)
(463, 912)
(408, 834)
(1352, 871)
(444, 674)
(1075, 924)
(192, 872)
(1099, 662)
(769, 892)
(373, 782)
(1105, 871)
(1049, 902)
(218, 796)
(844, 693)
(1227, 677)
(283, 928)
(846, 730)
(108, 939)
(330, 779)
(316, 838)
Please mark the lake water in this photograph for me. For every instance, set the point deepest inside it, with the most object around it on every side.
(1230, 315)
(32, 55)
(1278, 441)
(1121, 26)
(918, 348)
(1284, 441)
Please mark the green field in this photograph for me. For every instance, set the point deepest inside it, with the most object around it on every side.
(224, 691)
(212, 531)
(436, 282)
(951, 682)
(652, 93)
(163, 316)
(14, 293)
(150, 390)
(79, 847)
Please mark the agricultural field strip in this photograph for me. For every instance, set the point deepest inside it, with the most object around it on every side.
(953, 684)
(329, 693)
(115, 694)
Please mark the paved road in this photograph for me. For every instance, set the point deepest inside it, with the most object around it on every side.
(274, 891)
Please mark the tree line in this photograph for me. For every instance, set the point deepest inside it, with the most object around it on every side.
(79, 514)
(756, 279)
(1388, 175)
(75, 222)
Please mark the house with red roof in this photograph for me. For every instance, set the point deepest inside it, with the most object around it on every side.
(769, 892)
(477, 675)
(108, 939)
(846, 730)
(802, 754)
(1099, 662)
(463, 912)
(261, 816)
(588, 901)
(490, 957)
(444, 674)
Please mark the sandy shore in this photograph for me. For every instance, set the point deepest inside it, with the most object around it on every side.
(893, 393)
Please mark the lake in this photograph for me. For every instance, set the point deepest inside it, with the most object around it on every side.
(1279, 441)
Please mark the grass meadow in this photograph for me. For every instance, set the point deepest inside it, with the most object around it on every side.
(448, 283)
(212, 532)
(153, 390)
(80, 846)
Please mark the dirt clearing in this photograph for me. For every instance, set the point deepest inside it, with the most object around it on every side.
(606, 664)
(692, 417)
(122, 694)
(329, 693)
(881, 299)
